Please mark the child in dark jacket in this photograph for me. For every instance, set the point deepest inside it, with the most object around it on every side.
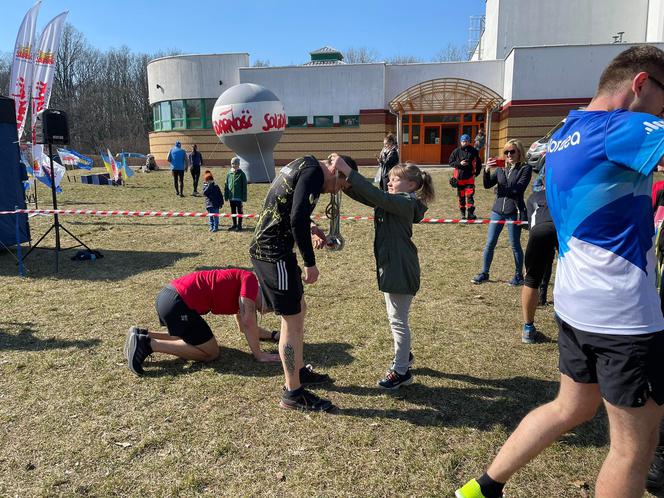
(214, 199)
(409, 189)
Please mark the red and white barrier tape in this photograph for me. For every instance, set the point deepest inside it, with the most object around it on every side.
(184, 214)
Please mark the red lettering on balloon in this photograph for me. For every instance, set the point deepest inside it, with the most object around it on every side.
(232, 124)
(274, 121)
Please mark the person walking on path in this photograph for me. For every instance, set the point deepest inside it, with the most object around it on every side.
(177, 158)
(195, 162)
(611, 329)
(235, 191)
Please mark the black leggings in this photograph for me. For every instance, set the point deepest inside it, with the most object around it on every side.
(178, 175)
(542, 245)
(236, 208)
(195, 176)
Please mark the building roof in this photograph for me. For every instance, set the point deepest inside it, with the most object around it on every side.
(325, 50)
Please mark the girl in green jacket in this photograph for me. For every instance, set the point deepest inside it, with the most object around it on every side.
(397, 266)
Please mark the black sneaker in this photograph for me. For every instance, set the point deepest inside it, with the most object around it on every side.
(305, 401)
(231, 228)
(655, 478)
(138, 350)
(130, 332)
(310, 378)
(394, 380)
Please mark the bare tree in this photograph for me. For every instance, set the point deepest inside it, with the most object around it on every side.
(5, 71)
(450, 53)
(261, 63)
(404, 59)
(358, 55)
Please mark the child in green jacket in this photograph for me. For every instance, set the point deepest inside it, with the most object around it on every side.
(397, 265)
(235, 191)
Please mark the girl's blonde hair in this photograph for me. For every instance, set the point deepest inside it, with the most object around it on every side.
(422, 179)
(518, 146)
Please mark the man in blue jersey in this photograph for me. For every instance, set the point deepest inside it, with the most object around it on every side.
(611, 329)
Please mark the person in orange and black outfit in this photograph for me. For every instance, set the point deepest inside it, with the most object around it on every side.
(467, 165)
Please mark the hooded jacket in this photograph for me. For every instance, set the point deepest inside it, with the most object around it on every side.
(397, 263)
(470, 170)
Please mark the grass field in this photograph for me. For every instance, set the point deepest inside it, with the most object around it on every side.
(75, 422)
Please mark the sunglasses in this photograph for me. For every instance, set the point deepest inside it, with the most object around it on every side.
(509, 152)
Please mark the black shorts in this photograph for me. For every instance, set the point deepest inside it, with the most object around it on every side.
(281, 283)
(541, 248)
(181, 320)
(628, 368)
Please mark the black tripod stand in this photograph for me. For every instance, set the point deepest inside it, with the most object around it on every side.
(56, 222)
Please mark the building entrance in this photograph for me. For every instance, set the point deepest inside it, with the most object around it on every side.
(431, 138)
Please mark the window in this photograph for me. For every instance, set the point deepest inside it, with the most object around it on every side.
(165, 115)
(156, 117)
(451, 118)
(433, 118)
(479, 117)
(416, 134)
(193, 110)
(406, 118)
(323, 121)
(349, 120)
(467, 118)
(297, 121)
(415, 118)
(209, 106)
(178, 114)
(432, 135)
(405, 134)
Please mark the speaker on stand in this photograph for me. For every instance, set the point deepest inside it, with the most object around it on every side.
(52, 127)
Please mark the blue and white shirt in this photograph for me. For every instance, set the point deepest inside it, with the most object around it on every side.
(598, 183)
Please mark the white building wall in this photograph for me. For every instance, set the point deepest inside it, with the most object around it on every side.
(655, 21)
(562, 72)
(193, 76)
(323, 90)
(400, 77)
(522, 23)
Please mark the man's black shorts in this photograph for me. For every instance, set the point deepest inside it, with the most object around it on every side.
(281, 283)
(628, 368)
(181, 320)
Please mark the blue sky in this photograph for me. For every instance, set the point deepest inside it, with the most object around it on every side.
(282, 31)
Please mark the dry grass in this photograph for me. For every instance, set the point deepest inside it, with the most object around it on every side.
(75, 421)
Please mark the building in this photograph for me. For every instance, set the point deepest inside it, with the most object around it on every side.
(532, 62)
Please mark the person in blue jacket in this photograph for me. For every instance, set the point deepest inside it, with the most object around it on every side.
(177, 158)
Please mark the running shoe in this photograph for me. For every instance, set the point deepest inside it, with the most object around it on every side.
(480, 278)
(308, 377)
(529, 334)
(394, 380)
(305, 401)
(138, 350)
(130, 332)
(469, 490)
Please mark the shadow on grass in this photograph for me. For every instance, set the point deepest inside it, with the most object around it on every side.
(25, 339)
(238, 362)
(115, 265)
(480, 403)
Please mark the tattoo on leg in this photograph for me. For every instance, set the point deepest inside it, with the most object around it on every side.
(289, 358)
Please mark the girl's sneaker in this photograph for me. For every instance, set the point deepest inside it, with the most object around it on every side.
(394, 380)
(480, 278)
(516, 281)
